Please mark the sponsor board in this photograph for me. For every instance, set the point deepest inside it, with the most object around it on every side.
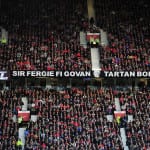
(102, 74)
(125, 74)
(119, 114)
(51, 74)
(25, 115)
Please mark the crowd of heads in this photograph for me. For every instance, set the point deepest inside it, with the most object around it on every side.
(67, 119)
(137, 104)
(127, 27)
(44, 37)
(75, 118)
(39, 39)
(72, 118)
(10, 103)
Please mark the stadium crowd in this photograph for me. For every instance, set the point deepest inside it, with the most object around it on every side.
(37, 43)
(10, 103)
(67, 119)
(39, 39)
(75, 119)
(138, 131)
(127, 25)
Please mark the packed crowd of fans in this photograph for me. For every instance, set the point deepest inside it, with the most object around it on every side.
(46, 37)
(75, 118)
(128, 28)
(68, 119)
(10, 103)
(39, 39)
(138, 131)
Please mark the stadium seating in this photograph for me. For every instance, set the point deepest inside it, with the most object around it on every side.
(75, 118)
(39, 39)
(46, 36)
(137, 104)
(127, 26)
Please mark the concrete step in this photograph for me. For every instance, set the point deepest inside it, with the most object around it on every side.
(21, 135)
(83, 41)
(117, 104)
(95, 59)
(25, 106)
(104, 39)
(14, 118)
(123, 137)
(130, 118)
(34, 118)
(110, 118)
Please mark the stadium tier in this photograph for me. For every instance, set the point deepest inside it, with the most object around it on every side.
(74, 75)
